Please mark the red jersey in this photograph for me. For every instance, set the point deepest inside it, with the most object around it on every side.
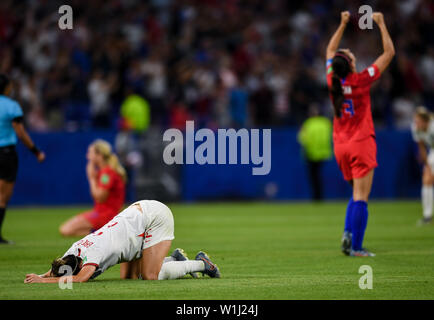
(112, 181)
(355, 123)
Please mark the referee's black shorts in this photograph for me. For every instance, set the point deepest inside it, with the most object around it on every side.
(8, 163)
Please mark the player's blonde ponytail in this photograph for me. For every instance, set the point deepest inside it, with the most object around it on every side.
(115, 164)
(104, 148)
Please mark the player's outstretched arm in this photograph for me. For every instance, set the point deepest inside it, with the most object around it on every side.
(84, 275)
(333, 44)
(388, 49)
(46, 274)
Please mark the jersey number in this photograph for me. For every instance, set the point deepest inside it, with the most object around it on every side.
(348, 107)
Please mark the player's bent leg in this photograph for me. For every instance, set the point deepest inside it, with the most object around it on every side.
(179, 255)
(177, 269)
(131, 270)
(152, 259)
(77, 226)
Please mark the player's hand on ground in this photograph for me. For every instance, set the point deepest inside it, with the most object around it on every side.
(40, 156)
(345, 17)
(32, 278)
(378, 17)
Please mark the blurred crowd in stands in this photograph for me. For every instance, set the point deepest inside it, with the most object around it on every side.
(222, 63)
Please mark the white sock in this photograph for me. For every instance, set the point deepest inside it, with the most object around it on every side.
(177, 269)
(168, 259)
(427, 201)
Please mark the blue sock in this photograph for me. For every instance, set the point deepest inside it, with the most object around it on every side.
(349, 216)
(358, 223)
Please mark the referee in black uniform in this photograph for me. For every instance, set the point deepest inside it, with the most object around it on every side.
(11, 127)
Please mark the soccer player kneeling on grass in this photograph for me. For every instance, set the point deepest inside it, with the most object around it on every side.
(140, 237)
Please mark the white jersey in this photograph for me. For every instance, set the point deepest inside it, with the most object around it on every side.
(125, 236)
(426, 137)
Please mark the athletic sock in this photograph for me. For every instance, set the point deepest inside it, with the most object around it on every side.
(349, 215)
(427, 201)
(168, 259)
(177, 269)
(359, 222)
(2, 216)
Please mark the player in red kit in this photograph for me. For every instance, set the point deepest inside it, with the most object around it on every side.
(353, 129)
(107, 187)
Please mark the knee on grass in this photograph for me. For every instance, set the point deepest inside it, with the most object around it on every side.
(65, 231)
(149, 275)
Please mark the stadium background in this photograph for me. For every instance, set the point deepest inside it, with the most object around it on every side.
(252, 64)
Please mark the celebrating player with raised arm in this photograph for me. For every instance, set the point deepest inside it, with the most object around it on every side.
(353, 129)
(140, 235)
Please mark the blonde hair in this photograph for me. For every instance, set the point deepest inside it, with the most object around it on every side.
(104, 148)
(423, 113)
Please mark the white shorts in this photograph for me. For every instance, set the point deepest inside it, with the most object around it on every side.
(431, 160)
(159, 224)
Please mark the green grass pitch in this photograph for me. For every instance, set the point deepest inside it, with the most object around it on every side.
(266, 251)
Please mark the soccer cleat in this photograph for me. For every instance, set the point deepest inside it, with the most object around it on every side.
(6, 242)
(424, 221)
(361, 253)
(211, 269)
(179, 255)
(346, 243)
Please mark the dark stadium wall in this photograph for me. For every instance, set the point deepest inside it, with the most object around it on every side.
(398, 174)
(62, 178)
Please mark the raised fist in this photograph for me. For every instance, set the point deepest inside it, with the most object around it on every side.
(345, 16)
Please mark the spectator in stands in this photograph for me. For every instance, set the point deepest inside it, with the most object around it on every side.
(210, 52)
